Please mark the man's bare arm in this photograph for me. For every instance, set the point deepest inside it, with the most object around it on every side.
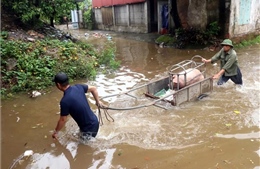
(61, 123)
(94, 92)
(219, 74)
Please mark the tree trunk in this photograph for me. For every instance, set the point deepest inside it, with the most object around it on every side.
(52, 16)
(52, 21)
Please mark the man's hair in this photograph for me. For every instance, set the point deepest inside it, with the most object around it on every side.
(64, 84)
(61, 78)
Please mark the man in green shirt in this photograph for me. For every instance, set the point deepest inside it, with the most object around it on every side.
(228, 64)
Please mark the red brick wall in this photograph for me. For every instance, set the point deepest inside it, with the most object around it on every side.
(101, 3)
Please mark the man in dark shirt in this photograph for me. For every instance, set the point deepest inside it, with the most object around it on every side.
(75, 103)
(228, 64)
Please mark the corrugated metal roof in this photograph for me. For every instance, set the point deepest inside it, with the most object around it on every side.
(101, 3)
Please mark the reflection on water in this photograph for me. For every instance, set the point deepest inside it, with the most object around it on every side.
(118, 82)
(48, 160)
(252, 136)
(214, 128)
(103, 163)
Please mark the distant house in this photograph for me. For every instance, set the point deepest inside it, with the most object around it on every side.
(236, 17)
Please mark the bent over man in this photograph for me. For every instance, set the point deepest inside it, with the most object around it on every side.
(229, 68)
(75, 103)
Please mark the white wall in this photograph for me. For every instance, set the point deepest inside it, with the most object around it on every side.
(127, 18)
(244, 17)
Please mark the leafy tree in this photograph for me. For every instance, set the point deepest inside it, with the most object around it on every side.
(86, 7)
(54, 9)
(32, 11)
(26, 10)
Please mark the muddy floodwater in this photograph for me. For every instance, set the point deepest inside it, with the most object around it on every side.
(220, 131)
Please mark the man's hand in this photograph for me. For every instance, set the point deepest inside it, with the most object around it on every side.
(216, 76)
(55, 134)
(101, 105)
(205, 60)
(219, 74)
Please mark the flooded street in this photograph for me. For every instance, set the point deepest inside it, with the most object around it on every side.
(221, 131)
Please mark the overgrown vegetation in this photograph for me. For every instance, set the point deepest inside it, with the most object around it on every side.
(191, 36)
(35, 11)
(169, 40)
(245, 43)
(87, 14)
(27, 66)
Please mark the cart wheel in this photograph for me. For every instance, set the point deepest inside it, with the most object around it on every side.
(202, 96)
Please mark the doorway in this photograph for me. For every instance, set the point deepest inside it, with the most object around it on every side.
(162, 16)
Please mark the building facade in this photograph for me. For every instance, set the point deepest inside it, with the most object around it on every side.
(236, 17)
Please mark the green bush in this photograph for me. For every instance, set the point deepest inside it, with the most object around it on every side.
(107, 56)
(28, 66)
(212, 30)
(4, 34)
(193, 36)
(245, 43)
(167, 39)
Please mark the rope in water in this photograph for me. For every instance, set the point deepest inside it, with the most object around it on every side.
(110, 118)
(107, 115)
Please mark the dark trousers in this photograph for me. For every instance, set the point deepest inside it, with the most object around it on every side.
(90, 133)
(237, 79)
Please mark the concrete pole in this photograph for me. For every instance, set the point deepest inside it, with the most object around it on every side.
(114, 19)
(128, 14)
(77, 13)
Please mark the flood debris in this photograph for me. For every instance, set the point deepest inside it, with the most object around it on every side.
(226, 161)
(98, 35)
(228, 125)
(251, 161)
(161, 45)
(31, 39)
(237, 112)
(35, 94)
(35, 34)
(37, 125)
(20, 159)
(28, 153)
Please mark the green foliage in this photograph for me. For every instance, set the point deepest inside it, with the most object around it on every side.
(245, 43)
(88, 16)
(31, 11)
(87, 13)
(4, 34)
(212, 31)
(107, 56)
(27, 66)
(197, 36)
(26, 10)
(57, 8)
(167, 39)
